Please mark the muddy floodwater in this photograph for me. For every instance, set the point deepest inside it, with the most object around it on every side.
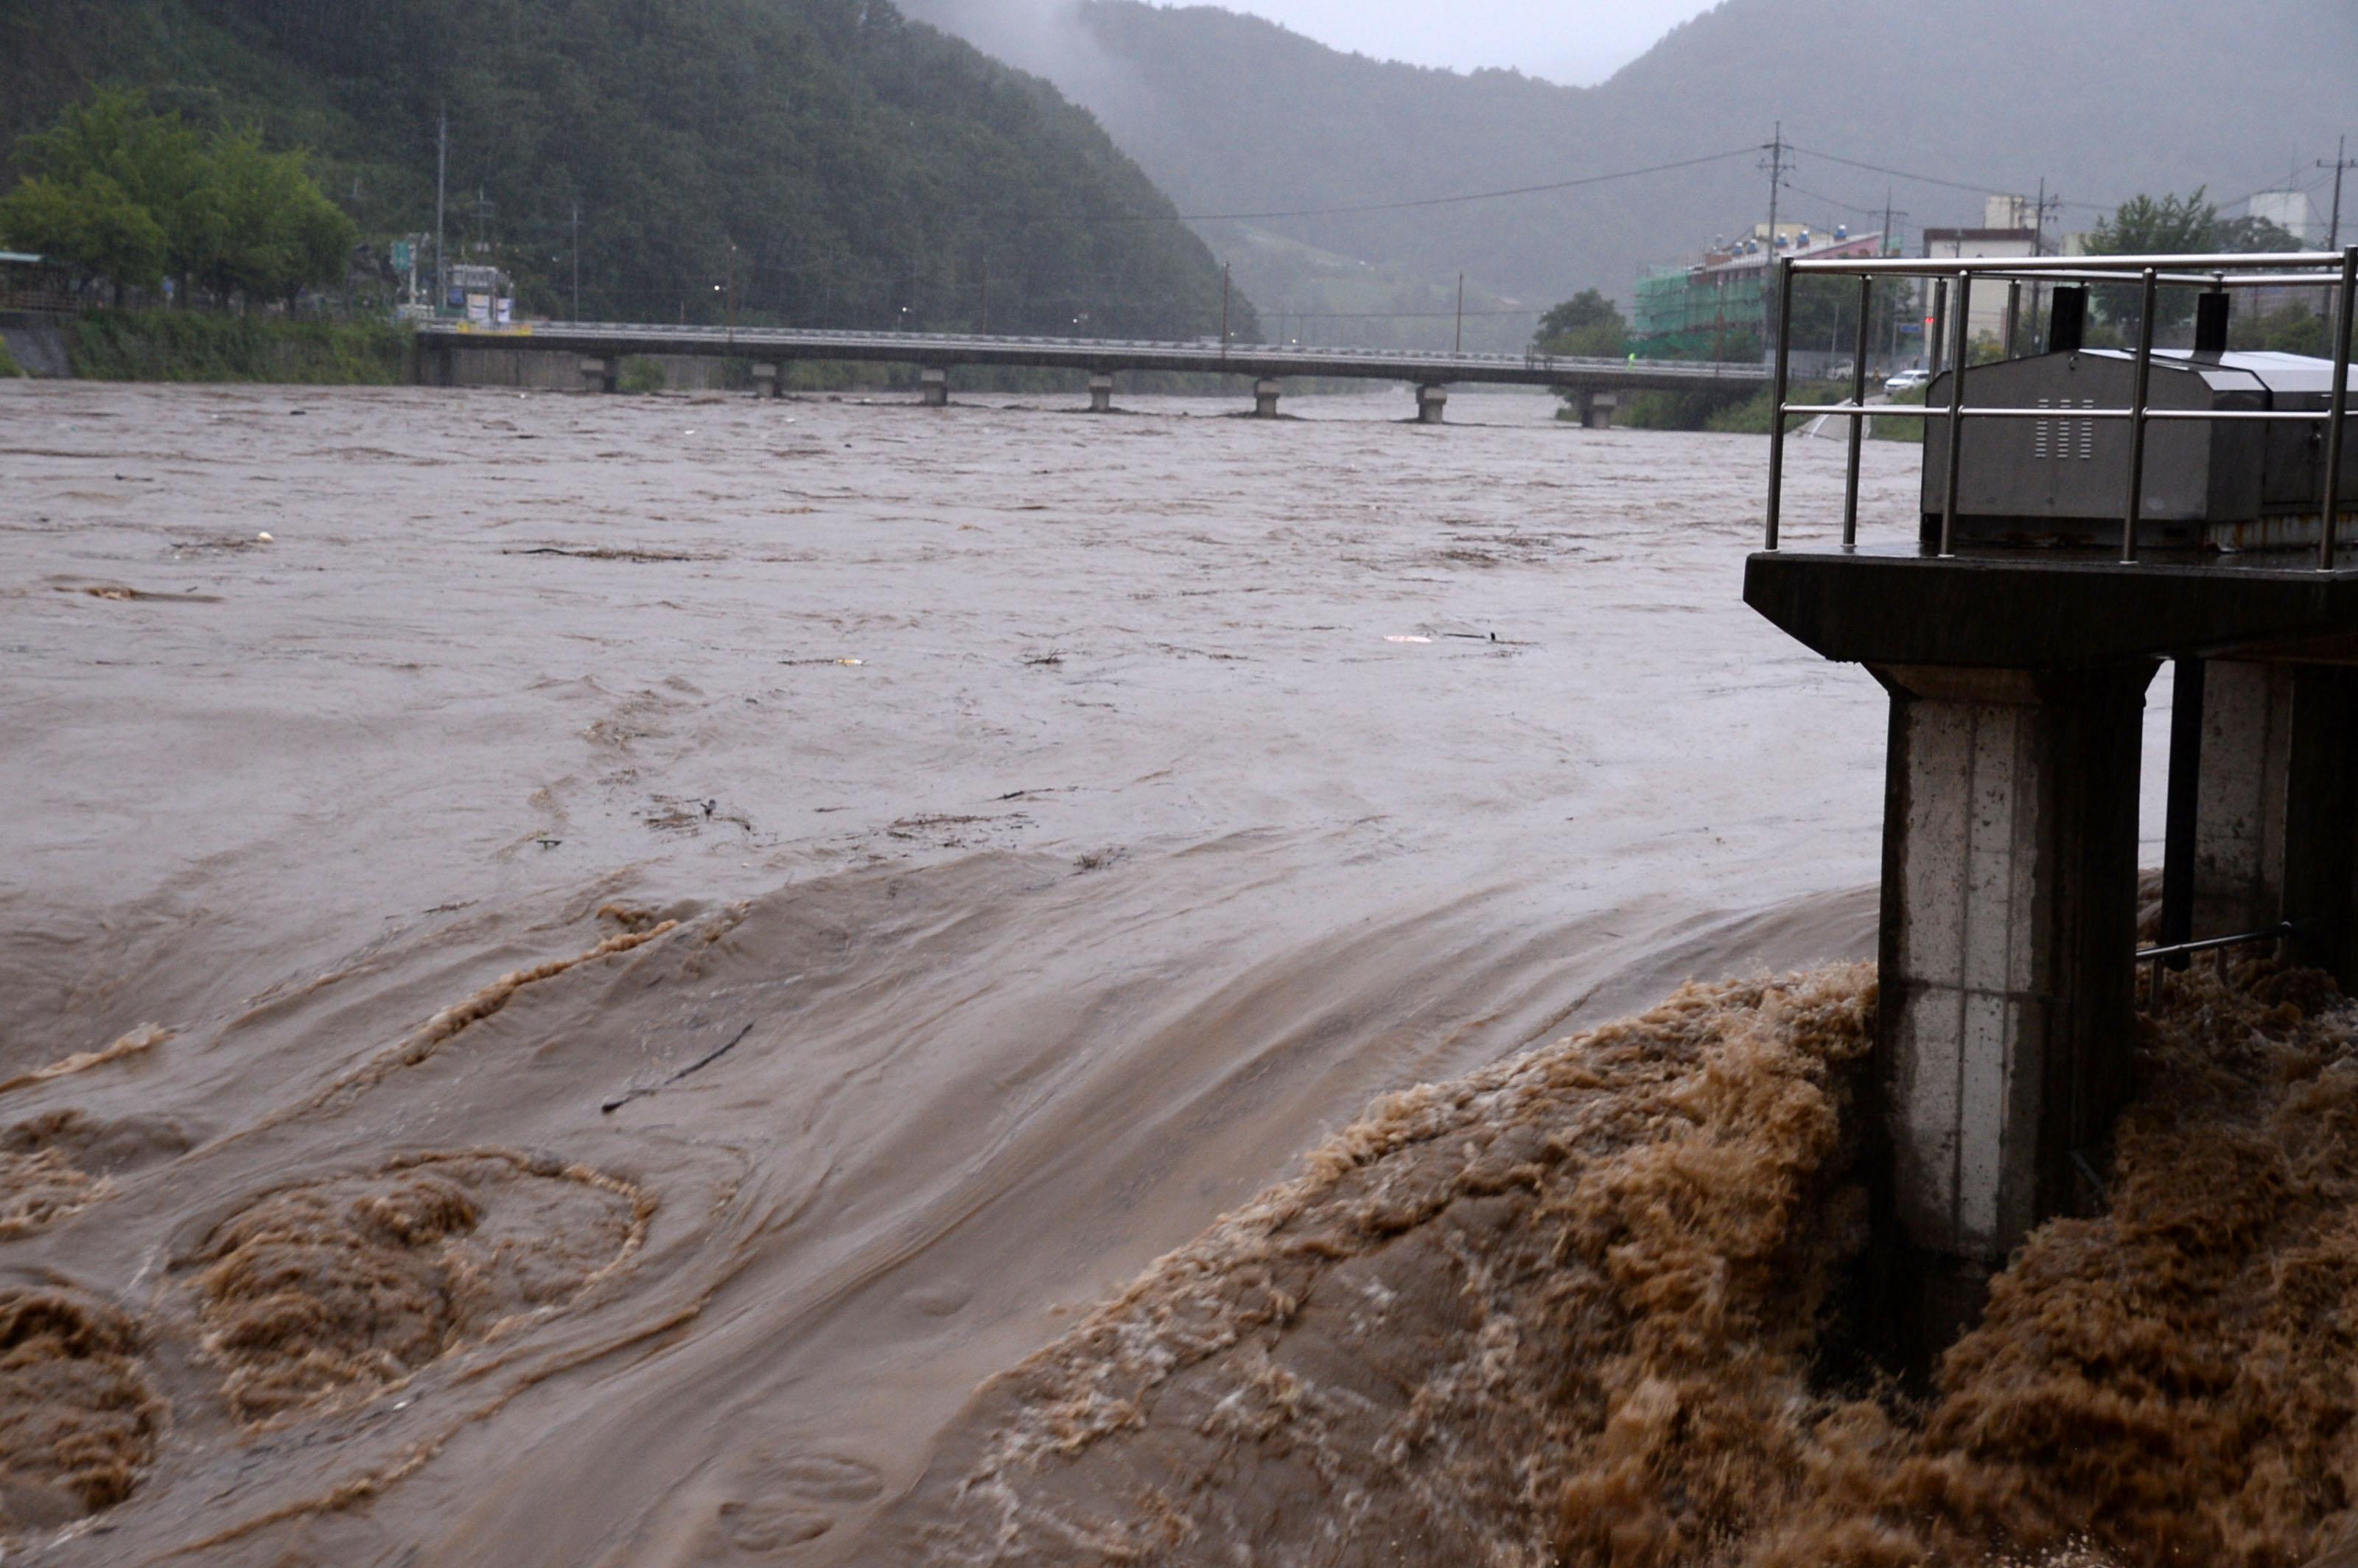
(583, 972)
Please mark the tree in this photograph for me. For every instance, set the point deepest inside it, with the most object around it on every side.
(277, 232)
(2142, 226)
(89, 222)
(130, 195)
(154, 162)
(2183, 225)
(1587, 325)
(2256, 236)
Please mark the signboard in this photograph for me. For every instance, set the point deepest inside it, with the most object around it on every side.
(403, 254)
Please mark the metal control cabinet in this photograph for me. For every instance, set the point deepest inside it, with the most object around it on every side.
(2227, 484)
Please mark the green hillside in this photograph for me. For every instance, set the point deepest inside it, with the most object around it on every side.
(826, 162)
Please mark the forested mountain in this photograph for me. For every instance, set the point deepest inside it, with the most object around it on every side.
(2103, 98)
(812, 161)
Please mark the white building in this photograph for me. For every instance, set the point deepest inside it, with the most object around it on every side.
(2289, 210)
(2009, 228)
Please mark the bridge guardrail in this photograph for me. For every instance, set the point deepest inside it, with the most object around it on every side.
(1406, 363)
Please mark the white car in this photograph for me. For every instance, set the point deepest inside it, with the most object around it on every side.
(1907, 381)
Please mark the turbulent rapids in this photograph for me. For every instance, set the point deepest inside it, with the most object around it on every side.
(1578, 1310)
(837, 985)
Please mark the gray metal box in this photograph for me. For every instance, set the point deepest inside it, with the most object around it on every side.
(2232, 484)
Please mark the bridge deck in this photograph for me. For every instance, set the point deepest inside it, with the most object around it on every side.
(1096, 354)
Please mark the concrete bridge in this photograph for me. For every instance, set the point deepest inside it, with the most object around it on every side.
(600, 347)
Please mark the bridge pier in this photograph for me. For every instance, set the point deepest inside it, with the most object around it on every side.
(2273, 841)
(769, 379)
(1595, 409)
(1431, 401)
(598, 373)
(2009, 924)
(934, 387)
(2009, 963)
(1265, 393)
(1100, 394)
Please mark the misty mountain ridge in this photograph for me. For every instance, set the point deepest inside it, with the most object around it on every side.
(803, 162)
(2103, 99)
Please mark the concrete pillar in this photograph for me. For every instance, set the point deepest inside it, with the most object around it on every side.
(934, 388)
(2009, 928)
(1430, 403)
(2273, 836)
(1102, 393)
(597, 373)
(1265, 399)
(2239, 819)
(769, 379)
(1596, 409)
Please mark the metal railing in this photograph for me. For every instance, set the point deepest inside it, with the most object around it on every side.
(1409, 362)
(2151, 273)
(2176, 955)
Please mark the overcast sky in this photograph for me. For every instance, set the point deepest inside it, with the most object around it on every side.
(1579, 41)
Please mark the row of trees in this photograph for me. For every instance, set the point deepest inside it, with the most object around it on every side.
(2193, 225)
(133, 197)
(787, 162)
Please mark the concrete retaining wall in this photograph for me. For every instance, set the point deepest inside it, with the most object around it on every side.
(37, 344)
(536, 370)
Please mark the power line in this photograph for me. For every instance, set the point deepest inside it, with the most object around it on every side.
(1397, 206)
(1983, 189)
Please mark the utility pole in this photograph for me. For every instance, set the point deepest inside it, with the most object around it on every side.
(986, 294)
(441, 183)
(2342, 162)
(1461, 313)
(1224, 309)
(577, 261)
(2038, 248)
(1905, 298)
(1777, 169)
(2336, 330)
(732, 293)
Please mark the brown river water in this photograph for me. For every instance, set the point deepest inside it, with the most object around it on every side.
(686, 980)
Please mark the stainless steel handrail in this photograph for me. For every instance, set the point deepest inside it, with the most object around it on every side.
(2150, 274)
(2102, 269)
(2190, 416)
(2158, 958)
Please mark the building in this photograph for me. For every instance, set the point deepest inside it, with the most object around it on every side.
(2289, 211)
(2009, 228)
(1716, 309)
(37, 283)
(483, 294)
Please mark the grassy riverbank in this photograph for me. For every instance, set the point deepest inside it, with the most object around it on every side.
(174, 345)
(1742, 413)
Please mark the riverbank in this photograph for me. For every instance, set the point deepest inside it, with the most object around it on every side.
(179, 345)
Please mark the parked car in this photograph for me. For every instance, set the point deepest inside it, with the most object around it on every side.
(1907, 381)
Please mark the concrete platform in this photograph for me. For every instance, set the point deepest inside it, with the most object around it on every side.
(2010, 846)
(2047, 609)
